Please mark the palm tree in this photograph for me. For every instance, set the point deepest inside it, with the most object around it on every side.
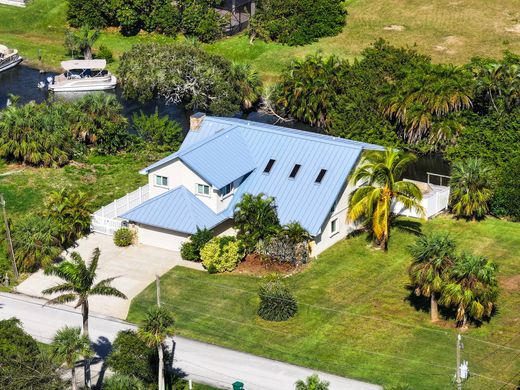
(249, 84)
(432, 258)
(372, 203)
(79, 284)
(312, 382)
(69, 346)
(157, 327)
(470, 188)
(472, 288)
(82, 39)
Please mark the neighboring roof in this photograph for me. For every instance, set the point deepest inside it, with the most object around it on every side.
(225, 149)
(84, 64)
(177, 209)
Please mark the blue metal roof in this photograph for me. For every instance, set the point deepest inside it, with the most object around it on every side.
(224, 149)
(178, 210)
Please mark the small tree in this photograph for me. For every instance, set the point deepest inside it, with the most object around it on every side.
(157, 327)
(69, 346)
(82, 39)
(432, 258)
(312, 382)
(256, 219)
(472, 288)
(470, 188)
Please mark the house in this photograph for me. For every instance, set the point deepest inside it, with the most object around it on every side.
(223, 158)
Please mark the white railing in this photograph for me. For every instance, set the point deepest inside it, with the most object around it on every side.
(434, 202)
(16, 3)
(106, 221)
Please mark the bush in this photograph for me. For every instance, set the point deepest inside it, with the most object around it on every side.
(86, 13)
(276, 301)
(130, 356)
(221, 254)
(124, 237)
(282, 249)
(506, 198)
(122, 382)
(190, 250)
(105, 53)
(166, 135)
(202, 21)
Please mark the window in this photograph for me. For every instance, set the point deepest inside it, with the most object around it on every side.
(320, 176)
(333, 226)
(161, 181)
(269, 166)
(203, 189)
(226, 190)
(294, 171)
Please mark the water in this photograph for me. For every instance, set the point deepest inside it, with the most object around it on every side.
(22, 81)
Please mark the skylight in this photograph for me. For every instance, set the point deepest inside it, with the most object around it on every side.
(320, 176)
(294, 171)
(269, 166)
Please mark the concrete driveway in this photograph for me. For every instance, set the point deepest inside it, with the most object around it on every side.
(135, 267)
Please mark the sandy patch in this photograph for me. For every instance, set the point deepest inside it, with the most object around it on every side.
(394, 27)
(449, 45)
(511, 284)
(514, 29)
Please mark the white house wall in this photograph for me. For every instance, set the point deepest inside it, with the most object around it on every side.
(160, 238)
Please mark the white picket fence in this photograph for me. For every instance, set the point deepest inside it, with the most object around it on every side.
(106, 221)
(16, 3)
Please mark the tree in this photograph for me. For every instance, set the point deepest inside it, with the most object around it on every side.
(256, 219)
(312, 382)
(372, 203)
(23, 365)
(164, 134)
(69, 210)
(432, 259)
(249, 83)
(506, 196)
(69, 346)
(157, 327)
(470, 188)
(83, 39)
(79, 284)
(472, 288)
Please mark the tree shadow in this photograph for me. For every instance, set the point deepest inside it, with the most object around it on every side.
(407, 225)
(102, 347)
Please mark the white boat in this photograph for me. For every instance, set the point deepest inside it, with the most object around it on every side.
(9, 58)
(83, 76)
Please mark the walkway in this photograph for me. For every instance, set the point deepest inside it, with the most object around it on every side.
(204, 363)
(135, 266)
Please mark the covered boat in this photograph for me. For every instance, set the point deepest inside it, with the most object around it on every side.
(83, 75)
(9, 58)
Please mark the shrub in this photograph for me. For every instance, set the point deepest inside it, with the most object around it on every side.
(190, 250)
(312, 382)
(282, 249)
(124, 237)
(221, 254)
(130, 356)
(165, 134)
(123, 382)
(86, 13)
(506, 198)
(276, 301)
(202, 21)
(105, 53)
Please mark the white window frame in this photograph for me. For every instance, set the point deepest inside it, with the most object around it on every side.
(334, 225)
(156, 183)
(198, 186)
(229, 192)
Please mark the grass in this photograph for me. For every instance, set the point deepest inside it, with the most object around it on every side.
(449, 31)
(355, 318)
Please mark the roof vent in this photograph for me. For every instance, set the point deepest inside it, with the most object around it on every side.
(269, 166)
(196, 120)
(320, 176)
(294, 171)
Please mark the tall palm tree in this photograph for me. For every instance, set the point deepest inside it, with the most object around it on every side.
(83, 39)
(432, 257)
(470, 188)
(312, 382)
(80, 284)
(157, 327)
(249, 84)
(69, 346)
(372, 203)
(472, 288)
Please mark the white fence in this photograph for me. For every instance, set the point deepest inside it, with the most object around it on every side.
(433, 202)
(16, 3)
(106, 221)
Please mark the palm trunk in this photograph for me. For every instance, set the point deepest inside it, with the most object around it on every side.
(161, 366)
(434, 308)
(73, 372)
(464, 322)
(84, 313)
(87, 53)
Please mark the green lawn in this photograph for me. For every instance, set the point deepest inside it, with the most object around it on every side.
(354, 315)
(449, 31)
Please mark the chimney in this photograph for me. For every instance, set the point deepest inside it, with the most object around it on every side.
(196, 120)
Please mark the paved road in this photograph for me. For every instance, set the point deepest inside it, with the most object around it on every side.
(204, 363)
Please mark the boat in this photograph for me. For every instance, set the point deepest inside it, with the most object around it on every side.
(83, 76)
(9, 58)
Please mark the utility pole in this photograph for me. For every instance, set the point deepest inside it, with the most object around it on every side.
(158, 289)
(458, 380)
(8, 234)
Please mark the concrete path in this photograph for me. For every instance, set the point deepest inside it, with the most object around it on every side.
(204, 363)
(135, 266)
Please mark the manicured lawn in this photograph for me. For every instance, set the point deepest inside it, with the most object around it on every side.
(354, 317)
(450, 31)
